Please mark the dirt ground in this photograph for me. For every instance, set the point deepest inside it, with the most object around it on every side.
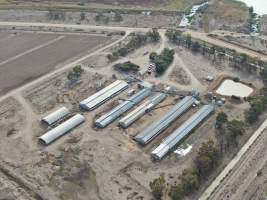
(128, 20)
(223, 15)
(256, 43)
(202, 67)
(103, 164)
(248, 178)
(26, 56)
(166, 5)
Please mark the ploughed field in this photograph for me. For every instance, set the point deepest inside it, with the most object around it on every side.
(25, 56)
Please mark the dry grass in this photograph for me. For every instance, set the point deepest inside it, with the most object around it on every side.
(229, 9)
(169, 5)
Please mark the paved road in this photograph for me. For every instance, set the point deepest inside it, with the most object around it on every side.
(211, 191)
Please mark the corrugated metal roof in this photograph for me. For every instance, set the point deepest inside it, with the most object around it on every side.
(161, 124)
(56, 116)
(109, 117)
(104, 95)
(141, 110)
(62, 129)
(171, 141)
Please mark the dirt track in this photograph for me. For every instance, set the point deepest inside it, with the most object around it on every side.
(234, 180)
(94, 134)
(24, 61)
(194, 34)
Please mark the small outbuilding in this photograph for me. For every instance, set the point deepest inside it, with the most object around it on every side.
(56, 116)
(62, 129)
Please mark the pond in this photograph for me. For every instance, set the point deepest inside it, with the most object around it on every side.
(229, 88)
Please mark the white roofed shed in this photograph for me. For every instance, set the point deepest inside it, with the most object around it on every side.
(56, 116)
(62, 129)
(103, 95)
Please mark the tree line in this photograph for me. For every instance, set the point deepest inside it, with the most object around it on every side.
(216, 53)
(189, 181)
(136, 41)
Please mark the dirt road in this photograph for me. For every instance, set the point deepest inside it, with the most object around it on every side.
(202, 36)
(205, 37)
(218, 188)
(61, 69)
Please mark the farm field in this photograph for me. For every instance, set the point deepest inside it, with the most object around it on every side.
(73, 73)
(25, 56)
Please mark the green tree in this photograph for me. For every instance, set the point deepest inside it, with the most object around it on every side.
(126, 67)
(175, 36)
(221, 119)
(257, 106)
(153, 35)
(195, 47)
(189, 181)
(158, 186)
(207, 158)
(75, 73)
(118, 17)
(82, 16)
(176, 192)
(188, 41)
(235, 128)
(163, 60)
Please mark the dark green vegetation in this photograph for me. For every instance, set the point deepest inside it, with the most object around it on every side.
(215, 53)
(163, 60)
(136, 41)
(153, 35)
(158, 186)
(221, 119)
(75, 73)
(240, 61)
(252, 19)
(205, 162)
(126, 67)
(228, 131)
(257, 106)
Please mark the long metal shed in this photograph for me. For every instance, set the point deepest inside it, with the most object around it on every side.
(141, 110)
(171, 141)
(161, 124)
(56, 116)
(116, 112)
(103, 95)
(62, 129)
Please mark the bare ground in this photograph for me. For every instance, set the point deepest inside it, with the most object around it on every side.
(24, 56)
(101, 164)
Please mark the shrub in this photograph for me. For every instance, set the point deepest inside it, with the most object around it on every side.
(126, 67)
(163, 60)
(158, 186)
(153, 35)
(75, 73)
